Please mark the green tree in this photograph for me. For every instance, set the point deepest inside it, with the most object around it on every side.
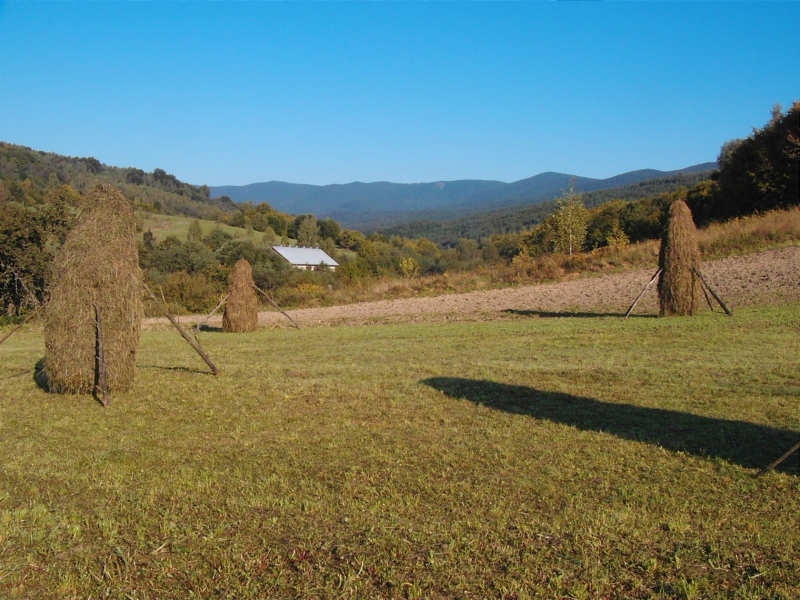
(195, 233)
(307, 231)
(759, 173)
(329, 229)
(216, 238)
(569, 223)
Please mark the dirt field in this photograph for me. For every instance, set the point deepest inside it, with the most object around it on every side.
(768, 277)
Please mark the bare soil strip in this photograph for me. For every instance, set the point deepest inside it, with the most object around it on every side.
(765, 278)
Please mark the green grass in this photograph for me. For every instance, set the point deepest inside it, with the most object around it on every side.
(165, 225)
(531, 458)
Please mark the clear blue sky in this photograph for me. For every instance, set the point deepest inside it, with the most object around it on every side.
(236, 93)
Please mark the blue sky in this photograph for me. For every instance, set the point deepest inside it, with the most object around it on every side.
(236, 93)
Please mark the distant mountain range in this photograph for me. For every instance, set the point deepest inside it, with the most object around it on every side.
(519, 217)
(363, 205)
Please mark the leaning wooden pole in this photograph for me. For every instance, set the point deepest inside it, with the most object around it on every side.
(285, 314)
(708, 299)
(19, 326)
(639, 297)
(199, 324)
(713, 293)
(186, 336)
(783, 457)
(101, 385)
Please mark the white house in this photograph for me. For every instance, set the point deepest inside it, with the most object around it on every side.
(306, 258)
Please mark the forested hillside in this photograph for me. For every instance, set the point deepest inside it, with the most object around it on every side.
(519, 218)
(27, 175)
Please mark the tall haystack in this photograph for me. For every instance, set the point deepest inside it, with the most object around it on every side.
(98, 264)
(241, 310)
(679, 259)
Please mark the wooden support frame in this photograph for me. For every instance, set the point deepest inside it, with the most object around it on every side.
(285, 314)
(639, 297)
(712, 292)
(186, 336)
(101, 382)
(778, 461)
(19, 325)
(199, 324)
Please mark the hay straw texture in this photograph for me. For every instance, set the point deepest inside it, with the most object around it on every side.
(98, 263)
(241, 310)
(678, 287)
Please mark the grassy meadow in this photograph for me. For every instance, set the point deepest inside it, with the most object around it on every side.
(575, 457)
(166, 225)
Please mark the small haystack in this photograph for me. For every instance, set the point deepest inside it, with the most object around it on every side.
(679, 260)
(241, 310)
(98, 265)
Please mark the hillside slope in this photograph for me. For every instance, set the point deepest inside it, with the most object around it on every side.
(26, 175)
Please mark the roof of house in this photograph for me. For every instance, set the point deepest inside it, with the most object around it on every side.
(305, 256)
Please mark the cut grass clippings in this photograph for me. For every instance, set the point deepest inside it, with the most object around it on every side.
(589, 457)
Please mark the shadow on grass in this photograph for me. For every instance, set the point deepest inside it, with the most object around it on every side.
(747, 444)
(210, 329)
(581, 315)
(184, 369)
(40, 376)
(17, 374)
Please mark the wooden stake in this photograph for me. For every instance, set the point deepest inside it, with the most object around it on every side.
(199, 324)
(285, 314)
(708, 300)
(713, 293)
(186, 336)
(639, 297)
(100, 386)
(19, 326)
(783, 457)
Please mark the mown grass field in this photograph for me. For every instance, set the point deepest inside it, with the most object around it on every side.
(533, 458)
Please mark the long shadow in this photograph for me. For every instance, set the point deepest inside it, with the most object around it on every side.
(747, 444)
(184, 369)
(210, 329)
(567, 313)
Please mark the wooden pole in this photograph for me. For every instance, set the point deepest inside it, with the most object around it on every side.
(100, 386)
(708, 300)
(19, 326)
(285, 314)
(639, 297)
(186, 336)
(713, 293)
(783, 457)
(199, 324)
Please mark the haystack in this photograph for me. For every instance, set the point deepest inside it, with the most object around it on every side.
(241, 310)
(679, 259)
(98, 264)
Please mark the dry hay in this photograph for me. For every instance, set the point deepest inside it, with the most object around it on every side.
(98, 264)
(241, 310)
(679, 258)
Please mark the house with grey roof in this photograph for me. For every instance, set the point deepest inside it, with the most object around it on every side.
(306, 258)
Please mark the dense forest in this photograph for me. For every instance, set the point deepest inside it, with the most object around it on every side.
(40, 194)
